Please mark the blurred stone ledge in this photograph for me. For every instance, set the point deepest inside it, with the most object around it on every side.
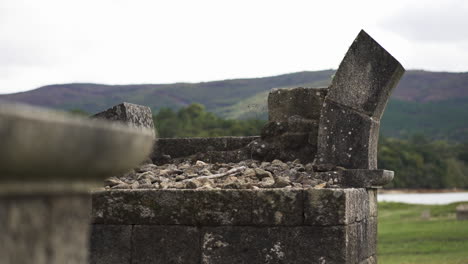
(11, 188)
(49, 161)
(45, 145)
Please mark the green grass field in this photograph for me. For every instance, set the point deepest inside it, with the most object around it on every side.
(404, 237)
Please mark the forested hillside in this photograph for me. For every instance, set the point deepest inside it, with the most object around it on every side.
(432, 103)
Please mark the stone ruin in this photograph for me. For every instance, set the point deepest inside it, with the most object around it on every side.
(304, 191)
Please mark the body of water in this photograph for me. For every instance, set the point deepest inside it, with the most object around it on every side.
(424, 198)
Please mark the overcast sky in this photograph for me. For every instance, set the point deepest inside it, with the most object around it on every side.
(136, 41)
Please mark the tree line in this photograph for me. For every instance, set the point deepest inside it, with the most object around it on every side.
(417, 161)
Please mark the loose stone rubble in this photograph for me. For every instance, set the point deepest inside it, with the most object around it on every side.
(248, 174)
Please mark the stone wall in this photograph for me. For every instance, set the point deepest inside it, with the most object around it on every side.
(168, 149)
(235, 226)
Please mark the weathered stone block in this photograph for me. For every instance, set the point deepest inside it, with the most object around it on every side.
(182, 147)
(131, 114)
(69, 221)
(371, 227)
(291, 140)
(50, 229)
(24, 228)
(173, 207)
(373, 204)
(110, 244)
(328, 207)
(279, 207)
(366, 178)
(299, 125)
(166, 244)
(274, 245)
(347, 138)
(353, 242)
(366, 77)
(360, 238)
(303, 102)
(357, 205)
(356, 178)
(221, 207)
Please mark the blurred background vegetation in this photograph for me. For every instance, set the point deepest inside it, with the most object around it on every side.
(419, 162)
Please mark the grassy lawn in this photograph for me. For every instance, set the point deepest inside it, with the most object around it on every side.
(404, 237)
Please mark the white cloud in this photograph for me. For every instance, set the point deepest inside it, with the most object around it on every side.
(430, 21)
(124, 41)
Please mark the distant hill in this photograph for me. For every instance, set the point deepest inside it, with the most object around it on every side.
(96, 97)
(433, 103)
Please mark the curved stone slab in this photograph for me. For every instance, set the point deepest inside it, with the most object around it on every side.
(366, 77)
(350, 118)
(44, 145)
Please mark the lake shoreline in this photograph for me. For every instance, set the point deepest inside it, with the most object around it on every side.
(396, 191)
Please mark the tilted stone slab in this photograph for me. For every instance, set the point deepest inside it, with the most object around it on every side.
(110, 244)
(329, 207)
(165, 244)
(347, 138)
(131, 114)
(366, 77)
(286, 102)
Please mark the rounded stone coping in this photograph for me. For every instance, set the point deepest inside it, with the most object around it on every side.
(261, 207)
(46, 145)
